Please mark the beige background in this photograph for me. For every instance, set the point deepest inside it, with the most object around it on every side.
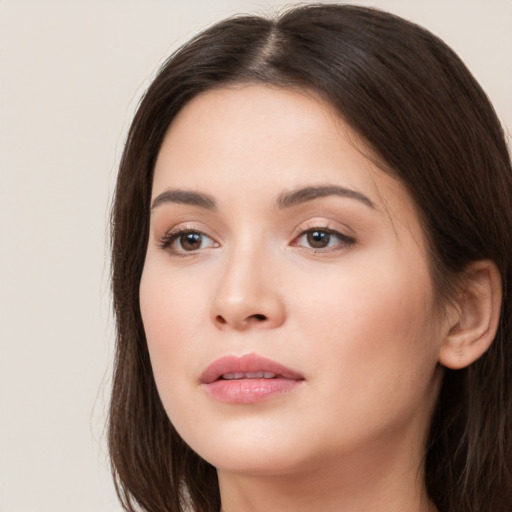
(71, 73)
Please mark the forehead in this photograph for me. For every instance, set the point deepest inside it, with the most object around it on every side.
(249, 138)
(255, 129)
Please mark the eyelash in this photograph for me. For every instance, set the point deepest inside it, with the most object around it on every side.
(170, 237)
(344, 241)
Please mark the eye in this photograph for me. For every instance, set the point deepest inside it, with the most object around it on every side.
(182, 241)
(322, 238)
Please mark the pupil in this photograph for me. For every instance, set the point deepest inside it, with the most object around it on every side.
(318, 239)
(191, 241)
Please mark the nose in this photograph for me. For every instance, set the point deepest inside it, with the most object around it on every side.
(247, 295)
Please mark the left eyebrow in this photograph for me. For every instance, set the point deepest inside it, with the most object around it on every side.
(301, 195)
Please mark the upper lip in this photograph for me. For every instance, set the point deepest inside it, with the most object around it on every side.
(248, 363)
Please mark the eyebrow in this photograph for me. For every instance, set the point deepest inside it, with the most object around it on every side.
(302, 195)
(285, 200)
(184, 197)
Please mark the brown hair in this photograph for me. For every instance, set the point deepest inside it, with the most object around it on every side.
(420, 111)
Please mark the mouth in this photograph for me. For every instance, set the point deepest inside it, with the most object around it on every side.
(248, 375)
(249, 366)
(248, 379)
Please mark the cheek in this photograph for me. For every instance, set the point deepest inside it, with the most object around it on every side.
(368, 296)
(170, 303)
(171, 316)
(375, 331)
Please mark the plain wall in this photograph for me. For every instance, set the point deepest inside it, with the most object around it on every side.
(71, 73)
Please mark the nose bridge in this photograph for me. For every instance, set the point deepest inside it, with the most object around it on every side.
(246, 294)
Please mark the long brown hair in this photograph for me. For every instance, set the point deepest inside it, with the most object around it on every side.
(423, 115)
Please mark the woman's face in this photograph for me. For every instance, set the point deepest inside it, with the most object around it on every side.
(286, 297)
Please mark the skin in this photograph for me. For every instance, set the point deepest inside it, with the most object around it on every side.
(358, 318)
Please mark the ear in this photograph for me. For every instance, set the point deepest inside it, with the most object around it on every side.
(473, 319)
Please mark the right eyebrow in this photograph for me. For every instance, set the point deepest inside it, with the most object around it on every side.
(184, 197)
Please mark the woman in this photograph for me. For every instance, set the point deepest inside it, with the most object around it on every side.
(312, 274)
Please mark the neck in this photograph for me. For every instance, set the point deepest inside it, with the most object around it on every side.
(377, 483)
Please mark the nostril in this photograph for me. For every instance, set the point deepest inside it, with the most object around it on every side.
(240, 322)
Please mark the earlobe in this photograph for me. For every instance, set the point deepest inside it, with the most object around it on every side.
(474, 320)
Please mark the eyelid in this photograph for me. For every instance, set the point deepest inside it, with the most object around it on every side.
(169, 236)
(324, 225)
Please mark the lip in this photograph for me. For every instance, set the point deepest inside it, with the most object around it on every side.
(248, 390)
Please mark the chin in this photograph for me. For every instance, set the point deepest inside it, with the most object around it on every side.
(251, 449)
(257, 462)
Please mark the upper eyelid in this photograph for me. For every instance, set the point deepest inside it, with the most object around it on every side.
(323, 224)
(185, 226)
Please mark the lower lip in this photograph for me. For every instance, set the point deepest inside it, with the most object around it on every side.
(249, 391)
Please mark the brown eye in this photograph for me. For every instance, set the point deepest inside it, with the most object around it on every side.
(323, 238)
(186, 241)
(318, 239)
(190, 241)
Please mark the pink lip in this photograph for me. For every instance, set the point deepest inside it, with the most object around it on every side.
(248, 390)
